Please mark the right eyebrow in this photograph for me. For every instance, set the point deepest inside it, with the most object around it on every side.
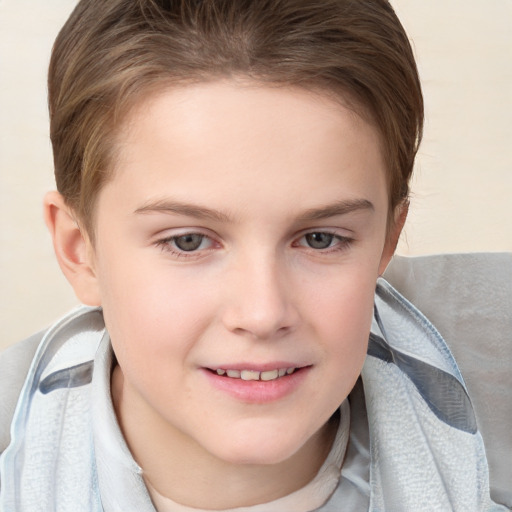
(178, 208)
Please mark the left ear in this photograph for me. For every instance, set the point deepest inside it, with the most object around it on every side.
(399, 218)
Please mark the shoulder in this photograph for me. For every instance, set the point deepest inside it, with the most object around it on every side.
(14, 365)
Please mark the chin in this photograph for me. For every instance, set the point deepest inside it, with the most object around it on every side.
(266, 449)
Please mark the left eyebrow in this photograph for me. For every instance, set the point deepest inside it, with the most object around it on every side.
(338, 208)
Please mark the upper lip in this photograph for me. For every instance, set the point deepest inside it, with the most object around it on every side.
(256, 367)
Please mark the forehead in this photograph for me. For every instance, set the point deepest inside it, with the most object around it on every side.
(225, 138)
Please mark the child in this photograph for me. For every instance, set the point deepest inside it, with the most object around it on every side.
(233, 180)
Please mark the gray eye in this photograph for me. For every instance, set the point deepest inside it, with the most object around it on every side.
(189, 242)
(319, 240)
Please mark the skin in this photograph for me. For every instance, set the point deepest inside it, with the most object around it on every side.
(252, 170)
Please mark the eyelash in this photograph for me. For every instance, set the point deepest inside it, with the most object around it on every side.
(166, 244)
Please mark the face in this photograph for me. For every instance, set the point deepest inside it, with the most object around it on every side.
(237, 249)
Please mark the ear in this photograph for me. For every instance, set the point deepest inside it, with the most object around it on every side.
(399, 218)
(73, 249)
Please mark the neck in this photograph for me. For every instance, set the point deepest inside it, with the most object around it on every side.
(217, 485)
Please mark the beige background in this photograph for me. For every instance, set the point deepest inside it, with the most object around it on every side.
(462, 197)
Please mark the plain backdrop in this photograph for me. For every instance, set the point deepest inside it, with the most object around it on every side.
(462, 190)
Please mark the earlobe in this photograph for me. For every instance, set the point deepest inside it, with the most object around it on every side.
(393, 235)
(72, 248)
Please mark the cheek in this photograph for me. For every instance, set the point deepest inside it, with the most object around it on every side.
(344, 312)
(151, 311)
(344, 300)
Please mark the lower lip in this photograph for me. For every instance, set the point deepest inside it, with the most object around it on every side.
(258, 391)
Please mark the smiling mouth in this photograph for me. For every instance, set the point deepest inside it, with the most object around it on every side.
(255, 375)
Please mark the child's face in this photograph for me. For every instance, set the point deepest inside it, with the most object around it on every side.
(243, 231)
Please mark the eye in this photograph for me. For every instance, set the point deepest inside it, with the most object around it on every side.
(319, 240)
(187, 243)
(323, 241)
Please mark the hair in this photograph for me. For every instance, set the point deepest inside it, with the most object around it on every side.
(111, 54)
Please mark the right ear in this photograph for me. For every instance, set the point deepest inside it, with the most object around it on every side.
(73, 249)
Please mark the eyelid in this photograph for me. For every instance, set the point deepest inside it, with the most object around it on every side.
(334, 231)
(176, 232)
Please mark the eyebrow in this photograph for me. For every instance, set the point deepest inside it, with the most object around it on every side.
(338, 208)
(186, 209)
(343, 207)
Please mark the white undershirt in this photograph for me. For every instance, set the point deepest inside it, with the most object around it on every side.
(308, 498)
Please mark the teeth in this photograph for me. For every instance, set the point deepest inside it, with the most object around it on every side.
(255, 375)
(250, 375)
(271, 375)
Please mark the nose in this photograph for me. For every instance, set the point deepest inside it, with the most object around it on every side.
(260, 299)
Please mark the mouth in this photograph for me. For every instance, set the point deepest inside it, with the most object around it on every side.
(258, 385)
(265, 376)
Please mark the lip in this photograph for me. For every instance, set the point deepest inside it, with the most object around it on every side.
(258, 391)
(263, 367)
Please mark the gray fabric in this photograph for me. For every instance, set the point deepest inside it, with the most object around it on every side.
(468, 297)
(73, 377)
(52, 439)
(14, 365)
(353, 491)
(417, 461)
(443, 393)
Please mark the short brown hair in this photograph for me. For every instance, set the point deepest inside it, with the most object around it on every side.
(110, 54)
